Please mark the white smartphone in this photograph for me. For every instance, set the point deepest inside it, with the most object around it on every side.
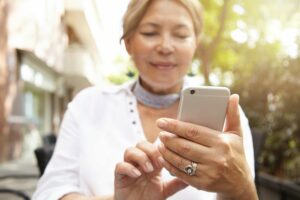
(205, 106)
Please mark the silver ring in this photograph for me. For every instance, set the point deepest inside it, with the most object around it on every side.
(191, 169)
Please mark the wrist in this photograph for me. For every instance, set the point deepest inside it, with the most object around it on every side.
(248, 192)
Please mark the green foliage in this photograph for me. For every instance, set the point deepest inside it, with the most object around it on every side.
(270, 96)
(118, 79)
(264, 76)
(129, 73)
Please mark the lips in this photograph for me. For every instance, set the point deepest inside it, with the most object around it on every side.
(163, 65)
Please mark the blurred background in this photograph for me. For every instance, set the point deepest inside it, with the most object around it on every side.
(51, 49)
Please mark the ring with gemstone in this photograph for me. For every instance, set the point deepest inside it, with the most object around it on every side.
(191, 169)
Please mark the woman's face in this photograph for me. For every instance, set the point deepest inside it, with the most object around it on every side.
(163, 45)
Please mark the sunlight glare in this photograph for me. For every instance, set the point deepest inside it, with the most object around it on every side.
(239, 36)
(238, 9)
(214, 79)
(241, 24)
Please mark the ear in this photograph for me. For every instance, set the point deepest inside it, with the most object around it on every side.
(128, 45)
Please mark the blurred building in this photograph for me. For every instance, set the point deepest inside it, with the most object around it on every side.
(54, 51)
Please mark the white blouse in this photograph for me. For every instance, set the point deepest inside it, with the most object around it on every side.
(97, 128)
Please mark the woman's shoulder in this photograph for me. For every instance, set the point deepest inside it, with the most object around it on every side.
(102, 92)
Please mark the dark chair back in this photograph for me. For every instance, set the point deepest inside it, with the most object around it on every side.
(49, 139)
(43, 156)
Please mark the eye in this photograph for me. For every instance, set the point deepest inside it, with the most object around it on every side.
(181, 36)
(149, 34)
(182, 33)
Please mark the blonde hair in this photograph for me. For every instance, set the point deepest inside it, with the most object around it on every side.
(137, 9)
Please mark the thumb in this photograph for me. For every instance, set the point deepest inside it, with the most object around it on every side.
(233, 123)
(173, 186)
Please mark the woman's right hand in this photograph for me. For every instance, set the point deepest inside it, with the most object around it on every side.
(138, 176)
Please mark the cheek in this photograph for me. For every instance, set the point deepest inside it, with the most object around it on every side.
(140, 53)
(141, 46)
(139, 59)
(186, 52)
(185, 56)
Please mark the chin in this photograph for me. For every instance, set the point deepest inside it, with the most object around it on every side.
(164, 86)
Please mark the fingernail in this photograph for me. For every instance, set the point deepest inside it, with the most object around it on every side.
(161, 161)
(161, 135)
(162, 122)
(148, 167)
(135, 173)
(237, 97)
(161, 146)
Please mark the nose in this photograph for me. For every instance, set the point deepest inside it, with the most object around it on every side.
(165, 45)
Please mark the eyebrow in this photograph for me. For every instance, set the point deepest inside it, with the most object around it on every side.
(149, 24)
(157, 26)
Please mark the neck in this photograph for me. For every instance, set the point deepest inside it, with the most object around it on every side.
(160, 90)
(154, 100)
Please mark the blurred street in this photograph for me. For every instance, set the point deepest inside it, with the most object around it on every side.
(21, 175)
(49, 51)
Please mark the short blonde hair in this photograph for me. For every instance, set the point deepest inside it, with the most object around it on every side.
(137, 9)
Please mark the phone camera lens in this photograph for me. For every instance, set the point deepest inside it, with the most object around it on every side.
(192, 91)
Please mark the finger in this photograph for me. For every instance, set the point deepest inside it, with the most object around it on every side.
(185, 148)
(198, 181)
(179, 173)
(233, 124)
(152, 152)
(137, 156)
(175, 160)
(201, 181)
(124, 169)
(196, 133)
(173, 186)
(125, 174)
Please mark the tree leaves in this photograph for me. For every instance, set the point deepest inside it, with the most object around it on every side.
(265, 75)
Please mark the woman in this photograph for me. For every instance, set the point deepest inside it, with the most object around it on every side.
(96, 156)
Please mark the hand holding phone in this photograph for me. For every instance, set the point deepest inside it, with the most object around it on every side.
(205, 106)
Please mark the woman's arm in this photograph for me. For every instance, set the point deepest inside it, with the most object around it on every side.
(62, 172)
(61, 176)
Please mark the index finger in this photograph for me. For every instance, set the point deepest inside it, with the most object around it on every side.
(196, 133)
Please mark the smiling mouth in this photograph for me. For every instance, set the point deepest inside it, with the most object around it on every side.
(163, 66)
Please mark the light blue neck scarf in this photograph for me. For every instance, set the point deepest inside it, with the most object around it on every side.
(153, 100)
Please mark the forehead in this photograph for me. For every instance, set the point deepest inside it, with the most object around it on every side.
(167, 12)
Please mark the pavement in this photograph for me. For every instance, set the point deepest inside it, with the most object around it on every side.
(21, 175)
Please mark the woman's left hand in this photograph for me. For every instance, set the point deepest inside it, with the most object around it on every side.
(138, 176)
(220, 157)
